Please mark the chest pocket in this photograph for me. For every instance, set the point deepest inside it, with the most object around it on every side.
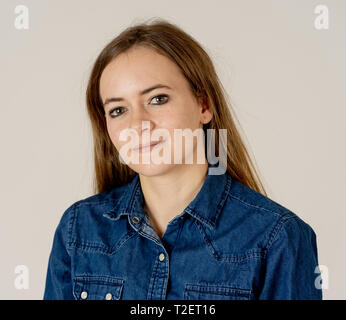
(215, 292)
(97, 288)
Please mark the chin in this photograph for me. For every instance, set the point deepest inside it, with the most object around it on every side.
(151, 170)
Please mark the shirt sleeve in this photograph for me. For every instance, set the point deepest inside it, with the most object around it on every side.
(58, 279)
(290, 270)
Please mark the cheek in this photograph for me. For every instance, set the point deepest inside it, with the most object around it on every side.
(180, 115)
(182, 120)
(114, 133)
(188, 114)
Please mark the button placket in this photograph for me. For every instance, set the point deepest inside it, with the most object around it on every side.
(159, 276)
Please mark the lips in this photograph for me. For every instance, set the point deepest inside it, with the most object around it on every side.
(146, 147)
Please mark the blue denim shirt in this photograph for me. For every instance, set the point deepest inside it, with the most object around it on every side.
(229, 243)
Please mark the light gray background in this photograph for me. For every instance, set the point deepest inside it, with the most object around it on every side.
(285, 78)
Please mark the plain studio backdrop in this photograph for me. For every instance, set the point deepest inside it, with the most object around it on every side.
(285, 77)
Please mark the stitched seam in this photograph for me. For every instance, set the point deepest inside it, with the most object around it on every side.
(206, 239)
(148, 236)
(144, 234)
(258, 207)
(199, 217)
(72, 219)
(99, 202)
(121, 242)
(215, 289)
(251, 254)
(276, 229)
(92, 247)
(178, 235)
(152, 279)
(229, 258)
(226, 194)
(84, 202)
(102, 280)
(103, 248)
(135, 193)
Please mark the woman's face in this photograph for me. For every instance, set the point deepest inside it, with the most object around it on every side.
(172, 106)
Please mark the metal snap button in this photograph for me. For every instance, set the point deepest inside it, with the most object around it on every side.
(109, 296)
(135, 220)
(84, 295)
(162, 256)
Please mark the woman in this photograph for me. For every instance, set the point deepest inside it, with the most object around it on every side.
(162, 228)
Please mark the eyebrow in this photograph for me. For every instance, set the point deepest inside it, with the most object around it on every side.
(157, 86)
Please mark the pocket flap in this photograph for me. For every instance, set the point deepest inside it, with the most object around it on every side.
(215, 292)
(93, 287)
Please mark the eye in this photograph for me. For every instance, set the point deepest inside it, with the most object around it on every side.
(161, 98)
(115, 112)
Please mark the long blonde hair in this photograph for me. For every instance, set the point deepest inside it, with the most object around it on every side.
(198, 69)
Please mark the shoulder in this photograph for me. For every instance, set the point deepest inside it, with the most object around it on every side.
(255, 202)
(99, 201)
(259, 219)
(86, 227)
(86, 214)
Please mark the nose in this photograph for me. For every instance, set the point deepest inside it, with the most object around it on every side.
(140, 121)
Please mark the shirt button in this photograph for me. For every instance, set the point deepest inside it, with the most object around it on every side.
(162, 256)
(84, 295)
(135, 220)
(108, 296)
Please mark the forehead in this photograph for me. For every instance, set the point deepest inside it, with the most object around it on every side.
(137, 69)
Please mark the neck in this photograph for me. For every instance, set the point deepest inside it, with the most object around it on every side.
(167, 195)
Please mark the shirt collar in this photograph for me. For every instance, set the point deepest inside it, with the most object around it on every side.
(205, 207)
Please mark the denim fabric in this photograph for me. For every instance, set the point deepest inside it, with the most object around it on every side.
(230, 243)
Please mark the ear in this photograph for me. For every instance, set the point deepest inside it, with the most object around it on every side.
(206, 114)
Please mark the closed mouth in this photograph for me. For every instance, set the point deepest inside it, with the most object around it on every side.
(148, 146)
